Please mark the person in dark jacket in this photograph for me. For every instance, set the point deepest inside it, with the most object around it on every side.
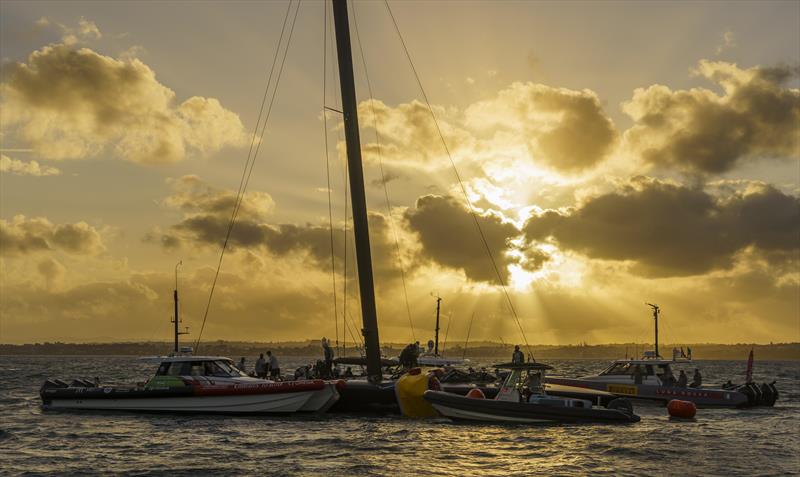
(518, 357)
(697, 379)
(327, 358)
(683, 380)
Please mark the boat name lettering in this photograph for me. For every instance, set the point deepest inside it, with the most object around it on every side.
(623, 389)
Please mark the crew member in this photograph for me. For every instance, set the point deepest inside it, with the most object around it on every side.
(682, 379)
(241, 365)
(261, 367)
(697, 379)
(518, 357)
(274, 367)
(637, 374)
(328, 357)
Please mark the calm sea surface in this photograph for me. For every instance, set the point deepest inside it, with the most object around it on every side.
(761, 441)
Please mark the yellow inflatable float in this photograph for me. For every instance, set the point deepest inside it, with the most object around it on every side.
(409, 390)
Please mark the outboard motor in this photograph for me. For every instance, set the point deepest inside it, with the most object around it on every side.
(774, 393)
(621, 404)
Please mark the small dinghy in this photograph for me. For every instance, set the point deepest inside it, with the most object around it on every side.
(522, 399)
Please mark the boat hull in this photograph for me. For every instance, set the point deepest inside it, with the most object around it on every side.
(701, 397)
(262, 398)
(464, 408)
(360, 395)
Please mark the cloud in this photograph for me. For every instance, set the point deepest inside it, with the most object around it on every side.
(207, 211)
(728, 42)
(22, 168)
(53, 273)
(566, 129)
(23, 236)
(672, 230)
(449, 237)
(86, 30)
(700, 131)
(408, 134)
(71, 103)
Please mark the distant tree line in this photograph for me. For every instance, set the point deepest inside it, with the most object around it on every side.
(233, 349)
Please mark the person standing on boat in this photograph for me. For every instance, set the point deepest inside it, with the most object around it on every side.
(683, 380)
(328, 357)
(638, 377)
(518, 357)
(697, 379)
(241, 365)
(261, 367)
(274, 367)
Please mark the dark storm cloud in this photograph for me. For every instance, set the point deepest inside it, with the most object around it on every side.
(449, 237)
(671, 230)
(698, 130)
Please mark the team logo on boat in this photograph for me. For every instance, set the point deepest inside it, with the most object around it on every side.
(623, 389)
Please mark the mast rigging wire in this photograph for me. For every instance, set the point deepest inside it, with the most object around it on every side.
(472, 211)
(248, 167)
(383, 176)
(328, 168)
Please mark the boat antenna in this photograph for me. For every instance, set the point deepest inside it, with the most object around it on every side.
(357, 195)
(469, 330)
(447, 330)
(176, 318)
(436, 330)
(656, 312)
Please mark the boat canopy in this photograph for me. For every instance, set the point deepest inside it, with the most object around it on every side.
(181, 359)
(528, 366)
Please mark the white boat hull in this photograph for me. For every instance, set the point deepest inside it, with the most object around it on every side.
(245, 404)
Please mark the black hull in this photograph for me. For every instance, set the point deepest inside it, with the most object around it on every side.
(508, 411)
(359, 395)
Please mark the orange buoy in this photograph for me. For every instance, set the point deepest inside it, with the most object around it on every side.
(476, 393)
(678, 408)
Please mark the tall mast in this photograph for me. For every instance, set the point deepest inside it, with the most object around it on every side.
(656, 312)
(175, 299)
(436, 343)
(358, 199)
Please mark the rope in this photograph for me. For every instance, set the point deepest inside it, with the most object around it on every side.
(383, 176)
(328, 169)
(460, 182)
(248, 168)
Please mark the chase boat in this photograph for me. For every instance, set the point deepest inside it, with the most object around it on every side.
(522, 399)
(194, 384)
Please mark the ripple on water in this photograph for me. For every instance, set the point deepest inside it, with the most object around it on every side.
(761, 441)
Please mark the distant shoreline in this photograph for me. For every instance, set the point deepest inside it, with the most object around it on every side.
(776, 351)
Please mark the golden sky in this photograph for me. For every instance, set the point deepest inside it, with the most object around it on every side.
(616, 153)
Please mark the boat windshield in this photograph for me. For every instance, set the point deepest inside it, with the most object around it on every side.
(617, 369)
(217, 368)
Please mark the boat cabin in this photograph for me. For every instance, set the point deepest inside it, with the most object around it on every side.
(523, 380)
(172, 368)
(652, 371)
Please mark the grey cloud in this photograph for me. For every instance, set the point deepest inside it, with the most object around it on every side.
(566, 129)
(698, 130)
(449, 237)
(22, 236)
(671, 230)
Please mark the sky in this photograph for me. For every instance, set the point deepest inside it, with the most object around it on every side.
(593, 156)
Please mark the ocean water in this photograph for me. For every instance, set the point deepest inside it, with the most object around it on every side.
(760, 441)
